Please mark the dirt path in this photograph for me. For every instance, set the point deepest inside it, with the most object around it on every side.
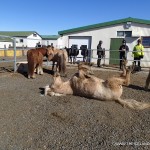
(30, 121)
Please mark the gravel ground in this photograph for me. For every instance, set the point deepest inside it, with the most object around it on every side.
(31, 121)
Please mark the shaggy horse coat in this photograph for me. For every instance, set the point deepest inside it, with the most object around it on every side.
(60, 57)
(86, 85)
(147, 81)
(35, 61)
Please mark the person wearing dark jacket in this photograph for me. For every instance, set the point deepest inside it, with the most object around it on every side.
(100, 53)
(123, 52)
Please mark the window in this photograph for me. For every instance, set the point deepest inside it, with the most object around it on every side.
(128, 33)
(146, 41)
(124, 33)
(21, 40)
(120, 33)
(34, 34)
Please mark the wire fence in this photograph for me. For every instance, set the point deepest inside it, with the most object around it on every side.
(92, 55)
(129, 55)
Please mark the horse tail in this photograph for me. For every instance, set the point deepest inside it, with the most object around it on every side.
(30, 64)
(133, 104)
(63, 62)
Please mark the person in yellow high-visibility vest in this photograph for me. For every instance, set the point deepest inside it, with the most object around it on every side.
(138, 52)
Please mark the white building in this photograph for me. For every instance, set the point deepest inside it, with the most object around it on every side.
(23, 38)
(49, 40)
(111, 33)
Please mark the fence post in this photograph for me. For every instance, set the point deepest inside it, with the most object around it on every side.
(14, 43)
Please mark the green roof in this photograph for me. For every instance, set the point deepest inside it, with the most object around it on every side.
(17, 33)
(50, 37)
(105, 24)
(5, 39)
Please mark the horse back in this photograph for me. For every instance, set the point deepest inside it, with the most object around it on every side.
(33, 55)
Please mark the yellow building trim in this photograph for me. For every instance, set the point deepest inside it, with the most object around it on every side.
(2, 53)
(11, 53)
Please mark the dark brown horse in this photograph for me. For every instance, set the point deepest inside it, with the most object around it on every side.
(35, 61)
(58, 56)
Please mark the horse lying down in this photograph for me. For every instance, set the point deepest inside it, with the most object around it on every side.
(147, 81)
(86, 85)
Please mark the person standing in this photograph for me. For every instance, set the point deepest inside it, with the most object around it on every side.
(138, 53)
(100, 53)
(123, 52)
(38, 44)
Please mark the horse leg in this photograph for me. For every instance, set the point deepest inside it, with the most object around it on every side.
(71, 59)
(46, 89)
(40, 69)
(31, 68)
(49, 91)
(147, 81)
(58, 69)
(53, 65)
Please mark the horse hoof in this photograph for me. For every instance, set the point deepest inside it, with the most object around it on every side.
(46, 89)
(33, 77)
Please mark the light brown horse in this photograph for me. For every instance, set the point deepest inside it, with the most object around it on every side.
(147, 81)
(86, 85)
(35, 61)
(60, 57)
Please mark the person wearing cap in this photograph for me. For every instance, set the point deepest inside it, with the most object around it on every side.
(123, 52)
(100, 53)
(138, 53)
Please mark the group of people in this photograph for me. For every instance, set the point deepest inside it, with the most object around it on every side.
(138, 53)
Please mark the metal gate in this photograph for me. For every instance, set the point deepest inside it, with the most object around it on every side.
(14, 48)
(114, 50)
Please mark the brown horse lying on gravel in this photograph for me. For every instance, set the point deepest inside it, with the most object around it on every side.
(86, 85)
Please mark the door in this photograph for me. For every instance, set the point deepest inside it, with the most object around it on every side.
(80, 40)
(114, 50)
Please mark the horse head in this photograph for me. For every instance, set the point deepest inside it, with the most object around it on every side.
(50, 52)
(85, 69)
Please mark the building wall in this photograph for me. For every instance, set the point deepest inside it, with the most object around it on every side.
(106, 33)
(32, 41)
(49, 42)
(7, 44)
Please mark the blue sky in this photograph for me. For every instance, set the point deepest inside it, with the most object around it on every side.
(47, 17)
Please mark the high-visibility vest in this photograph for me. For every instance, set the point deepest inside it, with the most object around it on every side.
(138, 50)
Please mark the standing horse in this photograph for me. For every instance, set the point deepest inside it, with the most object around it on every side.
(68, 52)
(58, 56)
(84, 52)
(74, 52)
(35, 61)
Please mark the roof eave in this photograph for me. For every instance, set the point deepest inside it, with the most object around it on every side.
(105, 24)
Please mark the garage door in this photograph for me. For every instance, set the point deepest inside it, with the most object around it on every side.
(80, 40)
